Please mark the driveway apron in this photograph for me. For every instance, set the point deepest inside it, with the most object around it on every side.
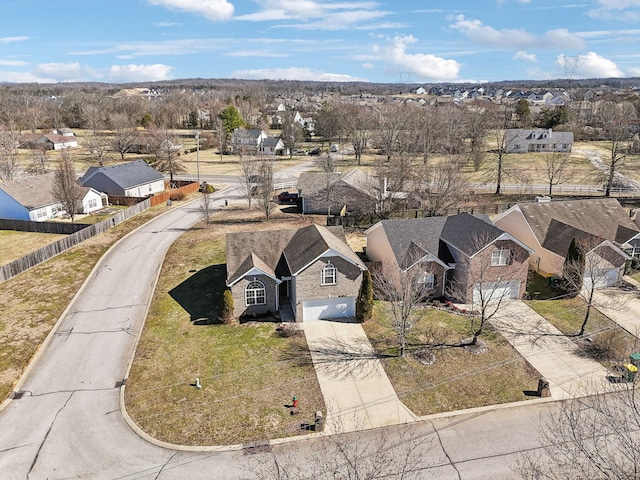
(551, 353)
(355, 387)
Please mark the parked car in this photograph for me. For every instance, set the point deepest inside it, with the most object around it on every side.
(300, 152)
(315, 151)
(288, 197)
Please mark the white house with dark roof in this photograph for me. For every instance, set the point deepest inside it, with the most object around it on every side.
(310, 270)
(520, 140)
(131, 179)
(48, 141)
(31, 198)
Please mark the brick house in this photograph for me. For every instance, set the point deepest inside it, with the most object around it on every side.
(310, 271)
(462, 256)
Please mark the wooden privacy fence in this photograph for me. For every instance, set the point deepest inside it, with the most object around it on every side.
(45, 253)
(41, 227)
(161, 198)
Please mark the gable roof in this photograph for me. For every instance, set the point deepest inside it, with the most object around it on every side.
(410, 238)
(312, 182)
(604, 218)
(32, 192)
(283, 252)
(540, 136)
(125, 175)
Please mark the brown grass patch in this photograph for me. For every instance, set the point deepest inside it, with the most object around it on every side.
(248, 372)
(18, 244)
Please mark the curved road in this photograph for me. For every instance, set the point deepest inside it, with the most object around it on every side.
(67, 422)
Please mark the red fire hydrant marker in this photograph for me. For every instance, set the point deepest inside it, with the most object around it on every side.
(295, 402)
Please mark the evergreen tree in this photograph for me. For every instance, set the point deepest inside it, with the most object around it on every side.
(231, 119)
(573, 269)
(364, 304)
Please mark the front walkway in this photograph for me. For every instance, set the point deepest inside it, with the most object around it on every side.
(551, 353)
(355, 387)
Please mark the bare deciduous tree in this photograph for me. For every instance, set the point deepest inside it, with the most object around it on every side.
(167, 151)
(500, 123)
(404, 288)
(124, 134)
(205, 208)
(8, 154)
(593, 437)
(330, 178)
(394, 454)
(66, 188)
(485, 278)
(616, 119)
(248, 167)
(441, 187)
(556, 169)
(98, 149)
(359, 125)
(587, 270)
(264, 186)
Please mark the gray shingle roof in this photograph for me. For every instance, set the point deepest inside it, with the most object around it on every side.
(466, 233)
(125, 175)
(32, 192)
(283, 252)
(600, 217)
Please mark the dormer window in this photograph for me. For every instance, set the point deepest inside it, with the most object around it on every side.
(329, 274)
(500, 257)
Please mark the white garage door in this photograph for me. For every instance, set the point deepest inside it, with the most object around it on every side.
(327, 308)
(605, 278)
(496, 291)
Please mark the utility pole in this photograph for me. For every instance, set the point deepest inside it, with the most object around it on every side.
(197, 134)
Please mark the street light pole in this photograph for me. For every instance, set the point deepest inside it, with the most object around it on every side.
(197, 134)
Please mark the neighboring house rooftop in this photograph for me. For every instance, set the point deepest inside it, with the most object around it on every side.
(125, 175)
(604, 218)
(32, 192)
(411, 239)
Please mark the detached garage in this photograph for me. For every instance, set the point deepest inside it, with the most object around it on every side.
(496, 291)
(327, 308)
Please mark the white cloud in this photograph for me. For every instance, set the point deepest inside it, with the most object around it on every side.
(486, 35)
(139, 73)
(590, 65)
(12, 63)
(214, 10)
(294, 73)
(634, 72)
(62, 72)
(618, 10)
(13, 39)
(424, 65)
(316, 15)
(23, 77)
(522, 55)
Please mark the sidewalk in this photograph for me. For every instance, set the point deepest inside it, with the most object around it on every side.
(622, 307)
(355, 387)
(551, 353)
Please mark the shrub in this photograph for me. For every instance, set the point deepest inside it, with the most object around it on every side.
(177, 196)
(227, 308)
(364, 303)
(207, 188)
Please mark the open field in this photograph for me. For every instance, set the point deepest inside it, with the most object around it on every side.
(458, 379)
(33, 301)
(14, 245)
(248, 373)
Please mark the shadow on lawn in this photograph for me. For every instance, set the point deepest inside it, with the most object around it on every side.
(201, 294)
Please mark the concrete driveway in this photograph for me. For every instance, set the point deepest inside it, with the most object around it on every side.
(355, 387)
(551, 352)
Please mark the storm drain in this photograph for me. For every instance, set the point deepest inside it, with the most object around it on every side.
(17, 395)
(259, 446)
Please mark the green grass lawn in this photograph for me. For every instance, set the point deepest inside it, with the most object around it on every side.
(248, 372)
(458, 379)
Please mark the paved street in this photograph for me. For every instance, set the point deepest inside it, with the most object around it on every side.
(68, 423)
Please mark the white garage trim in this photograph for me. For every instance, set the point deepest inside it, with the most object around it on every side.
(327, 308)
(494, 291)
(603, 278)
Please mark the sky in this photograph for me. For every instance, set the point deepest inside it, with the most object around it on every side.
(382, 41)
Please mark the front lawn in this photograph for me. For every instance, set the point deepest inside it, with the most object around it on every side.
(603, 340)
(248, 373)
(458, 379)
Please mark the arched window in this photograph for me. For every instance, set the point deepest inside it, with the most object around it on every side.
(329, 274)
(255, 293)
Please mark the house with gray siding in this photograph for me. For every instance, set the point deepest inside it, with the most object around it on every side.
(131, 179)
(520, 140)
(310, 270)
